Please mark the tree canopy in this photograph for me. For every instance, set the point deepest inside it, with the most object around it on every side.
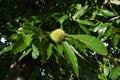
(59, 39)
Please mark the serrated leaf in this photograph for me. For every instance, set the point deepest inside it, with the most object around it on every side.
(6, 49)
(25, 54)
(91, 42)
(49, 51)
(71, 57)
(35, 52)
(115, 73)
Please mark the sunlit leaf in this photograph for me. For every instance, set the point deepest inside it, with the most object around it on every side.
(108, 33)
(35, 52)
(92, 43)
(106, 13)
(80, 12)
(102, 76)
(101, 28)
(115, 73)
(106, 70)
(28, 38)
(71, 57)
(74, 7)
(94, 14)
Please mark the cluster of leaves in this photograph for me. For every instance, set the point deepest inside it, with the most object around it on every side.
(91, 50)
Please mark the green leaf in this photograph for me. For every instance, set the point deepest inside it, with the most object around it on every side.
(14, 36)
(106, 70)
(118, 21)
(49, 51)
(71, 57)
(81, 47)
(116, 39)
(28, 38)
(59, 49)
(77, 53)
(94, 14)
(19, 46)
(102, 76)
(6, 49)
(86, 22)
(101, 28)
(92, 43)
(63, 18)
(80, 12)
(115, 73)
(25, 54)
(43, 50)
(35, 52)
(74, 7)
(108, 33)
(106, 13)
(84, 29)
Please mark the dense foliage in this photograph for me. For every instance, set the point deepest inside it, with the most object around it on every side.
(59, 40)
